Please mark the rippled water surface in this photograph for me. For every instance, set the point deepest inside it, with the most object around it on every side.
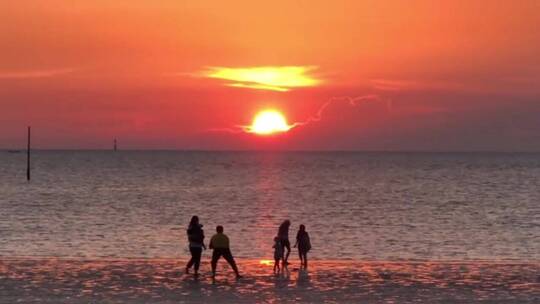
(380, 206)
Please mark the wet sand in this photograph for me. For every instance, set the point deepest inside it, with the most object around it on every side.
(30, 280)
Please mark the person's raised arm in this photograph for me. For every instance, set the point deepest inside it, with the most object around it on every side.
(202, 240)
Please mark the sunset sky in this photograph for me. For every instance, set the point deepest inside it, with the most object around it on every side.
(348, 75)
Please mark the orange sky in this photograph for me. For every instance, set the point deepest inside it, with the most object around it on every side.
(452, 75)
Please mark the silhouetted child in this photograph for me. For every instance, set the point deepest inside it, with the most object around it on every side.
(304, 245)
(220, 244)
(278, 253)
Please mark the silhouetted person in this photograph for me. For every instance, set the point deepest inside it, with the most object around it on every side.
(220, 244)
(278, 254)
(304, 245)
(283, 235)
(195, 235)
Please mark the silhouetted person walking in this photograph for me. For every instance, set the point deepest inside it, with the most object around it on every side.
(304, 245)
(220, 244)
(195, 235)
(278, 254)
(283, 235)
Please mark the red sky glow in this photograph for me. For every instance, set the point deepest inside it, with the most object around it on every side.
(347, 75)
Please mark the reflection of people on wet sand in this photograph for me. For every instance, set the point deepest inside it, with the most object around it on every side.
(278, 253)
(304, 245)
(303, 280)
(196, 244)
(283, 235)
(220, 244)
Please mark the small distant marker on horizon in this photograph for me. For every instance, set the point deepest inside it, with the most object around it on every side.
(115, 145)
(28, 157)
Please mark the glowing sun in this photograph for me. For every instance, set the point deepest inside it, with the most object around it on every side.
(269, 122)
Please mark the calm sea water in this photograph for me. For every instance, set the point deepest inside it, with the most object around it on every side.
(376, 206)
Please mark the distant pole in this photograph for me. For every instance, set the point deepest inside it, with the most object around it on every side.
(115, 147)
(28, 157)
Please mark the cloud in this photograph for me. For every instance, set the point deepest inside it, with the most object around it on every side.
(352, 101)
(274, 78)
(409, 85)
(33, 73)
(393, 85)
(258, 87)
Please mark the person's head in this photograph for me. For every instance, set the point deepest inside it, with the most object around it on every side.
(219, 229)
(194, 221)
(276, 239)
(302, 227)
(286, 223)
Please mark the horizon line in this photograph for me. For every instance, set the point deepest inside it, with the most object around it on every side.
(274, 151)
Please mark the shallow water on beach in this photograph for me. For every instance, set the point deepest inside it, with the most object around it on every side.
(369, 206)
(162, 281)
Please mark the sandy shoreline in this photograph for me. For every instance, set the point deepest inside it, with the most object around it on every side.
(35, 280)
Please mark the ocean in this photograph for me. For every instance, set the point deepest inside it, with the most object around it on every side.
(356, 205)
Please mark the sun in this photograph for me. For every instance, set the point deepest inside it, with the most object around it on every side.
(269, 122)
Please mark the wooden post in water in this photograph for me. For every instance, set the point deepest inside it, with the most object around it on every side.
(28, 157)
(115, 147)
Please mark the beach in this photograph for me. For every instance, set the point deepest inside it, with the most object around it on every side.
(51, 280)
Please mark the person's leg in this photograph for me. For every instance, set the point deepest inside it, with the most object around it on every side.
(229, 258)
(305, 259)
(301, 256)
(191, 261)
(197, 252)
(215, 257)
(287, 245)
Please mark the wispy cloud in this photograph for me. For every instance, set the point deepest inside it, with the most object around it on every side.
(26, 74)
(257, 86)
(352, 101)
(274, 78)
(409, 85)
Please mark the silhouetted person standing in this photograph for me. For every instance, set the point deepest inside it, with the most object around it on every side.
(195, 235)
(283, 235)
(220, 244)
(304, 245)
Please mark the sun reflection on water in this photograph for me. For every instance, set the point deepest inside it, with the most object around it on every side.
(266, 262)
